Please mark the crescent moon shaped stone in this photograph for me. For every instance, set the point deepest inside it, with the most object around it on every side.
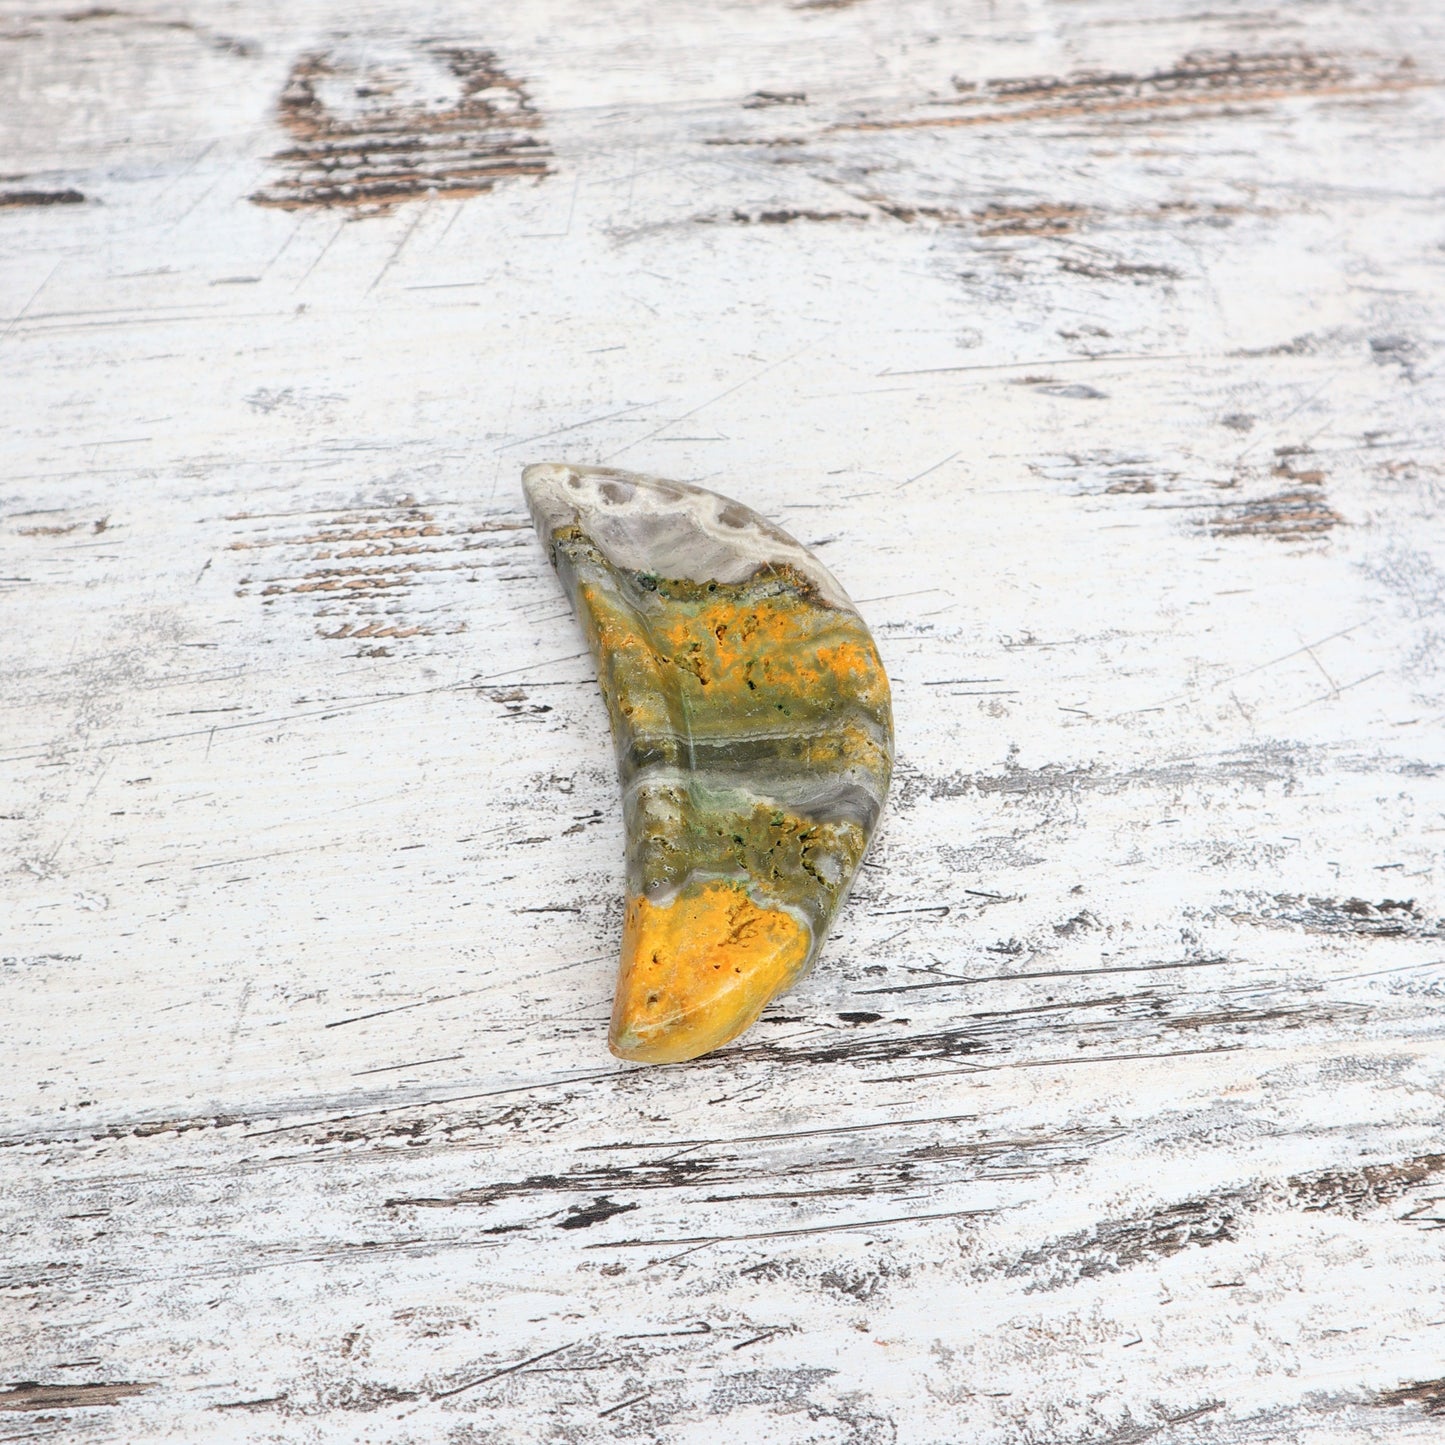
(754, 736)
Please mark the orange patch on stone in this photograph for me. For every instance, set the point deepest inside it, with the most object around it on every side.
(787, 646)
(697, 971)
(722, 639)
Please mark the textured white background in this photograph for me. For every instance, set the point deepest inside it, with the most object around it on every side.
(1113, 1111)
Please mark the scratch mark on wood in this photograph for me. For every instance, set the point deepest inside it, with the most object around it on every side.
(626, 1404)
(414, 1064)
(498, 1374)
(960, 982)
(264, 1403)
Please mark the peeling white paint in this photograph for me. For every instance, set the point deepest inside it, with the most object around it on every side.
(1111, 1113)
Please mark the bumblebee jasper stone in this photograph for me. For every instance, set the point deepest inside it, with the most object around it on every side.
(754, 739)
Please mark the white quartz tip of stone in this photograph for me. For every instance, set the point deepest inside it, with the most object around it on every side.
(648, 524)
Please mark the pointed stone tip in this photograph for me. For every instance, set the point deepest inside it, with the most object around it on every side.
(699, 970)
(541, 474)
(544, 484)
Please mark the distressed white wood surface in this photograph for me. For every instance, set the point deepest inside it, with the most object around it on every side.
(1096, 345)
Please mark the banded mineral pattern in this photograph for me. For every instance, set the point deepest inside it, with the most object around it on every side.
(754, 737)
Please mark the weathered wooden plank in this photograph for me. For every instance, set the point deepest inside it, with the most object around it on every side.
(1096, 350)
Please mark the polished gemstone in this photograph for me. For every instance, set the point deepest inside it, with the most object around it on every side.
(754, 737)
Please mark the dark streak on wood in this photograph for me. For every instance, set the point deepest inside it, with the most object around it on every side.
(30, 1395)
(1200, 80)
(1428, 1394)
(612, 1410)
(1389, 918)
(1138, 273)
(584, 1216)
(1358, 1191)
(264, 1403)
(762, 99)
(497, 1374)
(1115, 1245)
(1261, 766)
(785, 217)
(863, 1169)
(41, 198)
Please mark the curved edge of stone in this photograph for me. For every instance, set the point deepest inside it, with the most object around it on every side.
(739, 862)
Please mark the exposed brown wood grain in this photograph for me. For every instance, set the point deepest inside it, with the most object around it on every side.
(389, 146)
(28, 1395)
(1197, 80)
